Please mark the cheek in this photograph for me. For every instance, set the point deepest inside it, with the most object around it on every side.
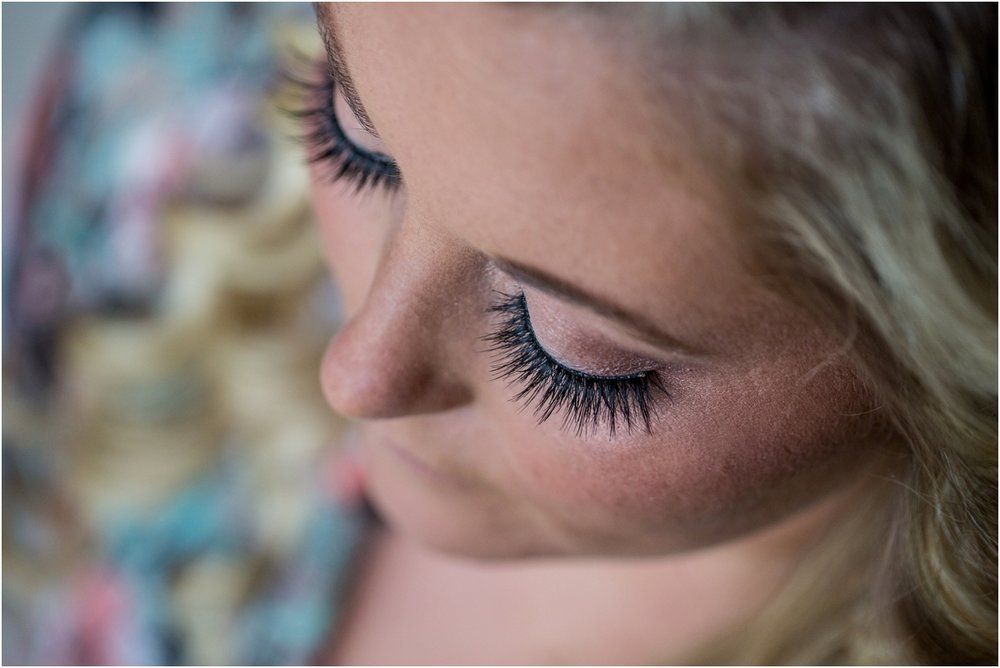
(726, 458)
(353, 227)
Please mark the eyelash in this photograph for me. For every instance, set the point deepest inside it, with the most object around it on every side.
(585, 400)
(328, 143)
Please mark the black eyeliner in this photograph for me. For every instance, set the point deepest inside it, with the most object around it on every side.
(585, 400)
(329, 145)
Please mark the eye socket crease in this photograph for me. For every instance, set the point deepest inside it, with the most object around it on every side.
(338, 66)
(565, 291)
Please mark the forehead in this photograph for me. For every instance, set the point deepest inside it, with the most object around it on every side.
(538, 130)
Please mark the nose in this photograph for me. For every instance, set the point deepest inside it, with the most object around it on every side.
(403, 351)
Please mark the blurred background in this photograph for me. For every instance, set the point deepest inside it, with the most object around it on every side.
(173, 491)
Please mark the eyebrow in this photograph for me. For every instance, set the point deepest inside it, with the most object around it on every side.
(566, 291)
(338, 65)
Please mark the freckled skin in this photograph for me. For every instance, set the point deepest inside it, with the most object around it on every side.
(513, 140)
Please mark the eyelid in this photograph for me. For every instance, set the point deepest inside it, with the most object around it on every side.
(338, 70)
(635, 325)
(584, 349)
(346, 88)
(379, 149)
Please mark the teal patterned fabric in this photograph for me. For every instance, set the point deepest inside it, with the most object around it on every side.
(144, 106)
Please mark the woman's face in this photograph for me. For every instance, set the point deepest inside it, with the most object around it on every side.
(535, 160)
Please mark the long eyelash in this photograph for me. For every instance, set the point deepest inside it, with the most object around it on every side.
(328, 144)
(585, 400)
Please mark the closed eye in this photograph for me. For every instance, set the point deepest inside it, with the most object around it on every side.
(586, 401)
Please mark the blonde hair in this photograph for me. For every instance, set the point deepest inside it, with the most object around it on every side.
(864, 145)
